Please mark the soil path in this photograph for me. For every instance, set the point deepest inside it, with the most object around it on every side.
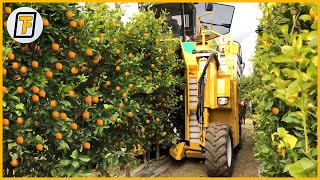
(245, 165)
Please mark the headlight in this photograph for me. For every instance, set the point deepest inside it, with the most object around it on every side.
(223, 101)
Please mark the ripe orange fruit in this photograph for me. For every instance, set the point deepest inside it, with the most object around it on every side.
(71, 55)
(170, 76)
(19, 140)
(5, 24)
(157, 119)
(153, 66)
(85, 115)
(130, 86)
(63, 116)
(148, 121)
(35, 64)
(10, 56)
(150, 111)
(55, 114)
(88, 52)
(95, 61)
(275, 111)
(4, 90)
(121, 105)
(7, 10)
(124, 95)
(49, 74)
(113, 24)
(53, 104)
(130, 114)
(55, 47)
(157, 86)
(161, 58)
(164, 133)
(71, 94)
(4, 71)
(130, 55)
(39, 147)
(45, 22)
(23, 69)
(114, 119)
(99, 122)
(118, 68)
(35, 89)
(81, 22)
(20, 90)
(170, 51)
(35, 98)
(118, 88)
(20, 120)
(157, 40)
(88, 100)
(95, 99)
(58, 136)
(14, 163)
(108, 83)
(118, 51)
(101, 35)
(145, 34)
(127, 73)
(126, 32)
(86, 145)
(115, 40)
(42, 93)
(5, 122)
(59, 66)
(69, 14)
(74, 126)
(15, 65)
(147, 92)
(142, 130)
(73, 24)
(74, 70)
(147, 78)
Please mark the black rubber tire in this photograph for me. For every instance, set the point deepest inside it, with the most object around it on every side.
(216, 159)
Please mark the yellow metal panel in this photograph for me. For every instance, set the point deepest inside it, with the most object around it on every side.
(194, 154)
(223, 88)
(178, 151)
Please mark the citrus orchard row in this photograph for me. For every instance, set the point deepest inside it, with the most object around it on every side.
(89, 91)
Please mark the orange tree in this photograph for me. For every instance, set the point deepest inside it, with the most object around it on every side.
(286, 62)
(88, 91)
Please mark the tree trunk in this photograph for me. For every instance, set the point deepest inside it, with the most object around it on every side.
(148, 155)
(145, 161)
(157, 151)
(127, 169)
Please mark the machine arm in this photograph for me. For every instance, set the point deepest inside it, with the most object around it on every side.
(200, 106)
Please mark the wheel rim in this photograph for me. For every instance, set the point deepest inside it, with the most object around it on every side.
(229, 151)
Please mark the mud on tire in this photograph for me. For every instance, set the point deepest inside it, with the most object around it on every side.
(216, 150)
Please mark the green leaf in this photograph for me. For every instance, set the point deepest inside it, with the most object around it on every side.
(276, 71)
(4, 103)
(303, 168)
(84, 158)
(75, 164)
(65, 162)
(266, 77)
(298, 43)
(107, 106)
(66, 103)
(291, 73)
(287, 50)
(20, 106)
(53, 173)
(290, 140)
(282, 59)
(74, 154)
(305, 17)
(284, 29)
(63, 145)
(282, 132)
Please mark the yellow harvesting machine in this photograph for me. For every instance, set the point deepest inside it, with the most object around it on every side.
(213, 68)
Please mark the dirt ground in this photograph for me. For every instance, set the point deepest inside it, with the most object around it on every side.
(245, 165)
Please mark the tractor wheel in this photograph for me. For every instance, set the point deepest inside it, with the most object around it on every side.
(218, 150)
